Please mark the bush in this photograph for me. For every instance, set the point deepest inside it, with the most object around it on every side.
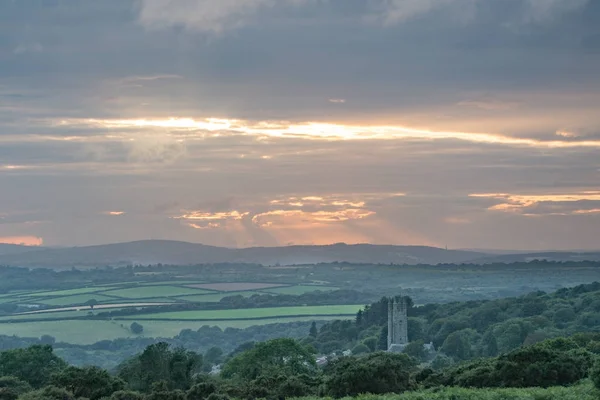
(48, 393)
(136, 328)
(595, 374)
(126, 395)
(375, 373)
(360, 349)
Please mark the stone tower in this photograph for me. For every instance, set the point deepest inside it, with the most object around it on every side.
(397, 324)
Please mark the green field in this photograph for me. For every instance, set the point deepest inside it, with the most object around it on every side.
(67, 292)
(76, 326)
(92, 331)
(299, 289)
(254, 313)
(47, 315)
(158, 283)
(142, 292)
(214, 298)
(75, 300)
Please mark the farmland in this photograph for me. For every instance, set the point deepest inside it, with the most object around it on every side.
(77, 315)
(225, 305)
(255, 313)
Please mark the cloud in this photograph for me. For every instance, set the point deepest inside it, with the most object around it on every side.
(397, 11)
(114, 213)
(213, 16)
(168, 147)
(28, 48)
(155, 148)
(543, 10)
(566, 134)
(564, 204)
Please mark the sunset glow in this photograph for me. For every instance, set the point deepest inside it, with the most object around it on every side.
(319, 131)
(22, 240)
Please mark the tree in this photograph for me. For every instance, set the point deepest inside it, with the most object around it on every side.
(89, 382)
(371, 343)
(382, 340)
(375, 373)
(201, 391)
(360, 349)
(34, 364)
(595, 374)
(48, 393)
(213, 356)
(136, 328)
(12, 387)
(458, 345)
(441, 361)
(159, 362)
(278, 356)
(556, 362)
(416, 350)
(91, 303)
(126, 395)
(313, 329)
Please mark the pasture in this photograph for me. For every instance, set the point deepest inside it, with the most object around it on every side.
(254, 313)
(174, 291)
(92, 331)
(72, 314)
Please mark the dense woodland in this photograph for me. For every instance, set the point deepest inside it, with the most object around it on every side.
(539, 339)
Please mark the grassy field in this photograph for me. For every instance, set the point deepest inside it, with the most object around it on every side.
(160, 291)
(236, 286)
(142, 292)
(214, 298)
(76, 300)
(299, 289)
(59, 315)
(255, 313)
(91, 331)
(68, 292)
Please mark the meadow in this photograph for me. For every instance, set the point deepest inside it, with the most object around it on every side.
(70, 314)
(256, 313)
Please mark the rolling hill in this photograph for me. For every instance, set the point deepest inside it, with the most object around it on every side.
(183, 253)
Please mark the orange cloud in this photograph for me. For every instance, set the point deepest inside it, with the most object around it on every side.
(290, 218)
(520, 203)
(208, 216)
(22, 240)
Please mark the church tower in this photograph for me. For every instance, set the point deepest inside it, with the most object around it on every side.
(397, 324)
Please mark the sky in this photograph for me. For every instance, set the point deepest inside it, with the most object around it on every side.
(238, 123)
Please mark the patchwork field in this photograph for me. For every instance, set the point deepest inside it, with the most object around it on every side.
(235, 286)
(142, 292)
(71, 314)
(176, 291)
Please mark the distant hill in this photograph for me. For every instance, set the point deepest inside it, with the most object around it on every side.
(16, 249)
(546, 255)
(183, 253)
